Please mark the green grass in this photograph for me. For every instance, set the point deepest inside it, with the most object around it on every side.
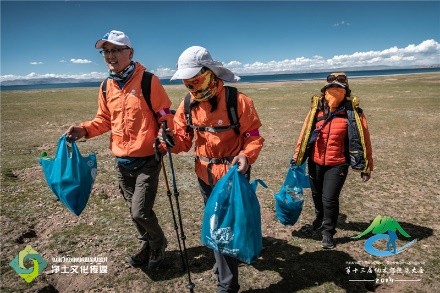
(403, 113)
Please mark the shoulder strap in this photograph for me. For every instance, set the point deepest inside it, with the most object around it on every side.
(355, 102)
(231, 104)
(187, 111)
(104, 89)
(146, 90)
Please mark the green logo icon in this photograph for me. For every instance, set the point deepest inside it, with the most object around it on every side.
(384, 229)
(18, 264)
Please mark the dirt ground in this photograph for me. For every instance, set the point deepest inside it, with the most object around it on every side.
(404, 185)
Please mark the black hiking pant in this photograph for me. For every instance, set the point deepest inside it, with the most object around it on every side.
(326, 183)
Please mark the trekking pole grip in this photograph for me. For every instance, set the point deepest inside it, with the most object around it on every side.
(157, 154)
(168, 139)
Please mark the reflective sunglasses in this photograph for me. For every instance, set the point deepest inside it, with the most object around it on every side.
(339, 78)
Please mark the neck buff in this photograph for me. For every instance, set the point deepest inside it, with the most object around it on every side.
(203, 86)
(334, 96)
(124, 75)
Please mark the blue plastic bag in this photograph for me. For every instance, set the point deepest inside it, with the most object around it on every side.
(70, 176)
(290, 199)
(232, 220)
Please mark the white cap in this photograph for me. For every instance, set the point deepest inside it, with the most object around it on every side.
(193, 59)
(114, 37)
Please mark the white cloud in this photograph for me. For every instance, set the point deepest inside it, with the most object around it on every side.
(342, 23)
(52, 77)
(80, 61)
(163, 72)
(62, 61)
(36, 63)
(424, 54)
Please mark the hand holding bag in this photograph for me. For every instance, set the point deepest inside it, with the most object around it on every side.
(70, 176)
(232, 220)
(289, 200)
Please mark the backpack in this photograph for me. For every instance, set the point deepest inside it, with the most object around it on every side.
(146, 91)
(231, 105)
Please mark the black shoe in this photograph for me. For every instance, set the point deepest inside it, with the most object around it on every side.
(311, 229)
(157, 256)
(317, 225)
(328, 242)
(141, 258)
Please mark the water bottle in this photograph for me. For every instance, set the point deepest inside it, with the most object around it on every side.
(295, 192)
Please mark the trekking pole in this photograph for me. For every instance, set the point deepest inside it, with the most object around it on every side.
(176, 228)
(170, 143)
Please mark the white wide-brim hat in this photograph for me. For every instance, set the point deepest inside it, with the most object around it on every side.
(193, 59)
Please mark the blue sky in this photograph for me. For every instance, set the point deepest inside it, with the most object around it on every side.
(56, 38)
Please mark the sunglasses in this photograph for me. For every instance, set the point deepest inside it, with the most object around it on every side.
(115, 52)
(339, 78)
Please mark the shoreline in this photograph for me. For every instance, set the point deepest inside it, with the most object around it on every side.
(240, 83)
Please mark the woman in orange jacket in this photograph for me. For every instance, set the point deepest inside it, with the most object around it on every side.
(124, 111)
(218, 143)
(334, 136)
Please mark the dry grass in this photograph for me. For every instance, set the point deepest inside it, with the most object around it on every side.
(403, 114)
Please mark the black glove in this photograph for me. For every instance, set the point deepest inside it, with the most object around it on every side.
(168, 139)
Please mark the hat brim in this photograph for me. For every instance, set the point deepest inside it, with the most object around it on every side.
(186, 73)
(335, 83)
(101, 42)
(219, 71)
(223, 73)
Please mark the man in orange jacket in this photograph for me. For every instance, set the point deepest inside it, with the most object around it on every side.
(124, 111)
(216, 144)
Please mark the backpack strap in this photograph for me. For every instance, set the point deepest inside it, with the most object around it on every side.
(231, 105)
(187, 111)
(146, 91)
(104, 89)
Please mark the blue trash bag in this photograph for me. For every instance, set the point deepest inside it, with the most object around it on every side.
(232, 220)
(70, 176)
(290, 199)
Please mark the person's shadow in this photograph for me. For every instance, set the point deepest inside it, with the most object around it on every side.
(200, 259)
(298, 271)
(415, 231)
(311, 269)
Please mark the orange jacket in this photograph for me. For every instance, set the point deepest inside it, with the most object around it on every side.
(125, 112)
(223, 144)
(330, 148)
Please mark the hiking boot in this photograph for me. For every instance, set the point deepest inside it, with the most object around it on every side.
(141, 258)
(328, 242)
(157, 256)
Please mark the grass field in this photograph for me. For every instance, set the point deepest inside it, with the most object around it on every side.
(403, 113)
